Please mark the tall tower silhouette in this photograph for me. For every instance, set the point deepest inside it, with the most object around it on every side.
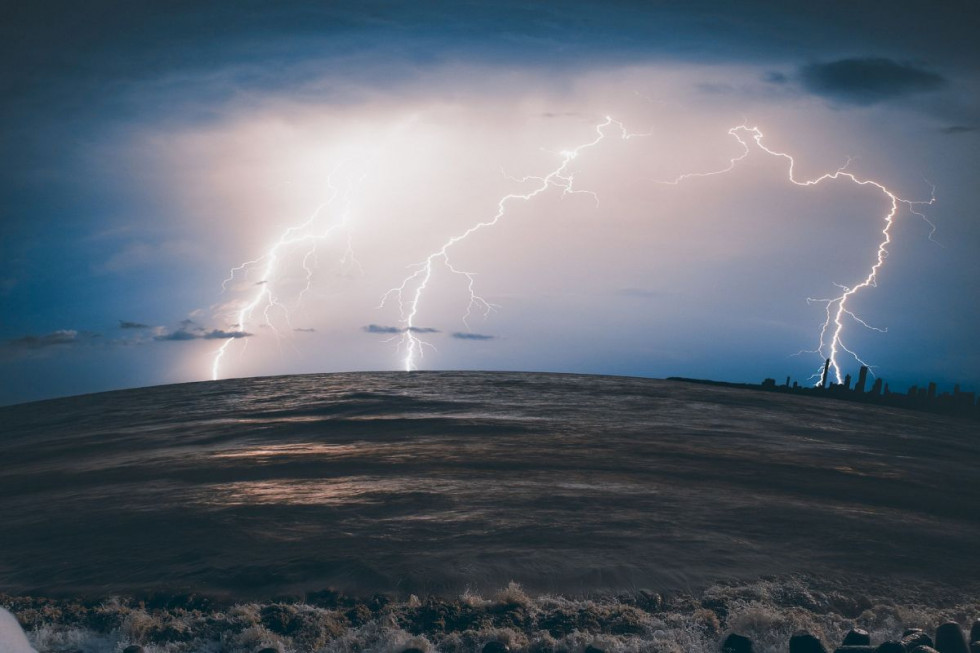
(862, 380)
(823, 377)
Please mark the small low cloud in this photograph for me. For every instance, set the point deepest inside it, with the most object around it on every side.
(462, 335)
(178, 335)
(958, 129)
(640, 293)
(53, 339)
(868, 80)
(378, 328)
(126, 324)
(304, 330)
(218, 334)
(183, 335)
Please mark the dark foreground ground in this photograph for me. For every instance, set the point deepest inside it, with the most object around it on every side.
(422, 495)
(769, 612)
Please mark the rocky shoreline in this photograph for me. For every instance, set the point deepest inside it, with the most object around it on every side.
(766, 616)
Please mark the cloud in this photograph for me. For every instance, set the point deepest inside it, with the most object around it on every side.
(865, 81)
(459, 335)
(218, 334)
(178, 335)
(182, 334)
(377, 328)
(958, 129)
(775, 77)
(126, 324)
(304, 330)
(59, 337)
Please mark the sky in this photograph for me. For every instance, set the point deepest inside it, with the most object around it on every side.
(210, 190)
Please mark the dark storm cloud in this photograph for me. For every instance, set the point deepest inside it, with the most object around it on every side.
(125, 324)
(377, 328)
(55, 338)
(869, 80)
(460, 335)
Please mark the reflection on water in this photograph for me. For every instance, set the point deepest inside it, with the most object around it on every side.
(431, 481)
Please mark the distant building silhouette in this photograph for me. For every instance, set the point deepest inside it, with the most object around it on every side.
(862, 380)
(823, 377)
(927, 398)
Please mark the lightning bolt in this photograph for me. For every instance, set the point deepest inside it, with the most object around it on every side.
(409, 294)
(831, 337)
(305, 237)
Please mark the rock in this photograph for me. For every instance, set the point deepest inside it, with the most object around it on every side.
(950, 639)
(413, 650)
(855, 648)
(856, 636)
(915, 637)
(975, 631)
(891, 646)
(804, 642)
(975, 647)
(593, 649)
(736, 644)
(268, 649)
(495, 647)
(133, 649)
(924, 649)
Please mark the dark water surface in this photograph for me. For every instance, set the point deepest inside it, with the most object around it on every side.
(434, 482)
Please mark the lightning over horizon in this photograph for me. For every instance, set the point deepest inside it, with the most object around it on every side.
(831, 341)
(410, 292)
(307, 236)
(296, 250)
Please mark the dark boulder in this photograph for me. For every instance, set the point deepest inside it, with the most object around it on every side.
(950, 639)
(495, 647)
(413, 650)
(915, 637)
(133, 649)
(975, 646)
(856, 636)
(975, 631)
(924, 649)
(735, 643)
(891, 646)
(855, 648)
(804, 642)
(593, 649)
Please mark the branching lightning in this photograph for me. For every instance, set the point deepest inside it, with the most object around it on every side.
(831, 339)
(306, 238)
(410, 293)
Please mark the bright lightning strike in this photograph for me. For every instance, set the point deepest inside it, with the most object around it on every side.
(410, 293)
(305, 238)
(831, 341)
